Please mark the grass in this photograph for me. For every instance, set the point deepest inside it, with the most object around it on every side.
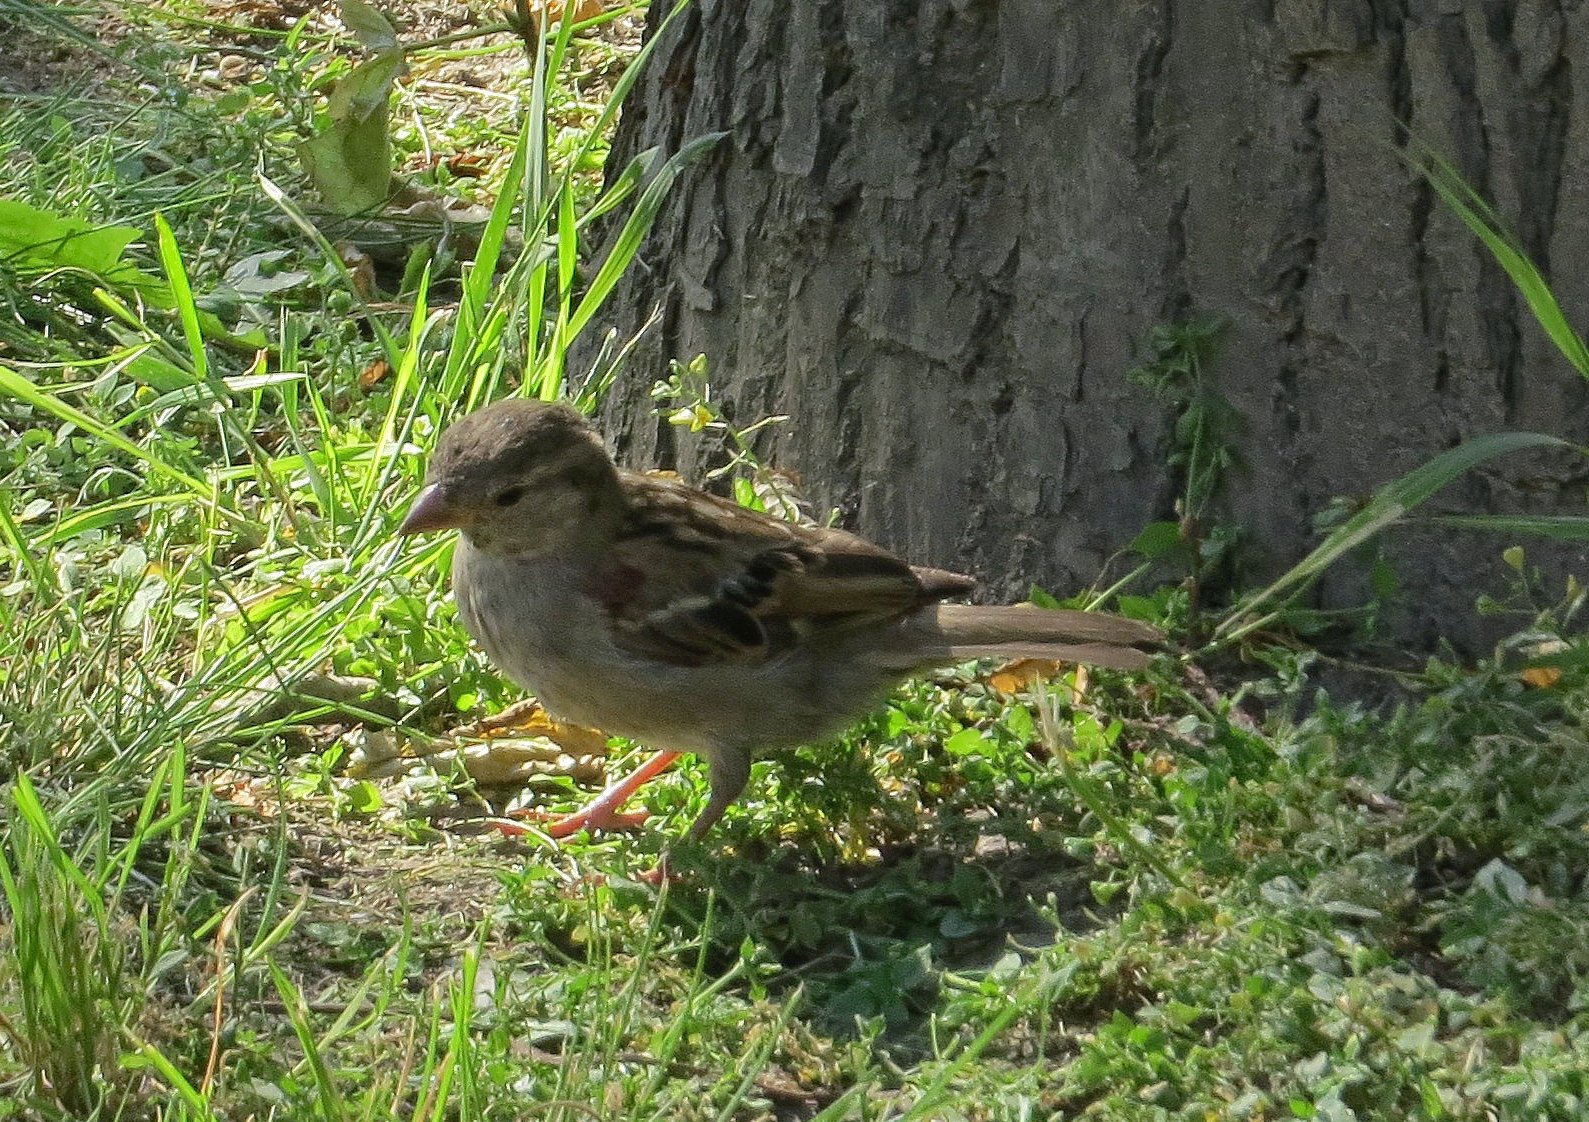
(244, 867)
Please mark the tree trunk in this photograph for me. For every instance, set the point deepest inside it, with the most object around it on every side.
(940, 229)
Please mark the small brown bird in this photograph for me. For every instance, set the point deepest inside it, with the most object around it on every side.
(649, 609)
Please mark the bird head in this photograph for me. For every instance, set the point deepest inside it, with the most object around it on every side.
(519, 476)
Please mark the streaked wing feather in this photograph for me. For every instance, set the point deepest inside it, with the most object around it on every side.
(729, 584)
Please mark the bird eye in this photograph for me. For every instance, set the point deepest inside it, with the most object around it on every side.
(508, 496)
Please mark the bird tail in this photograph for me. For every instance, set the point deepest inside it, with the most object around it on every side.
(954, 632)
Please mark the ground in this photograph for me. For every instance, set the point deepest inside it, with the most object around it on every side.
(253, 765)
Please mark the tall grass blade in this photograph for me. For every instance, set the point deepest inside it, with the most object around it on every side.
(15, 385)
(146, 1054)
(1557, 527)
(1390, 504)
(636, 228)
(332, 1106)
(625, 83)
(182, 294)
(1481, 218)
(63, 955)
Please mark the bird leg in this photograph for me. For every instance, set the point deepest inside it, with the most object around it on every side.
(728, 772)
(602, 812)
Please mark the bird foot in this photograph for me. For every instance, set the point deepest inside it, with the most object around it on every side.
(597, 818)
(659, 876)
(602, 813)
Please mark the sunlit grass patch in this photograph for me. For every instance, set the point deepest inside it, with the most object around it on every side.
(1158, 896)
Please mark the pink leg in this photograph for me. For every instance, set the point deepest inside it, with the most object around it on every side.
(602, 812)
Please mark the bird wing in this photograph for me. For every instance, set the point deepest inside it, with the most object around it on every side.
(697, 580)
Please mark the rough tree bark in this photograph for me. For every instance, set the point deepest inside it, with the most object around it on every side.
(939, 229)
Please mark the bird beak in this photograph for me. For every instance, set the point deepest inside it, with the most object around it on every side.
(430, 512)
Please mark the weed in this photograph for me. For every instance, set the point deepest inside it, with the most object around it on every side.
(685, 398)
(1203, 443)
(1110, 897)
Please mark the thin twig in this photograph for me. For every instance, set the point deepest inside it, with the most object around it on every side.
(223, 935)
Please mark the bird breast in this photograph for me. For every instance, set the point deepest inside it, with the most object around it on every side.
(541, 624)
(538, 623)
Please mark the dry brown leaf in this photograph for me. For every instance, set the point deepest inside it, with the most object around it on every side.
(361, 268)
(374, 374)
(574, 739)
(553, 9)
(467, 165)
(233, 69)
(380, 754)
(246, 792)
(1024, 673)
(1541, 677)
(512, 762)
(527, 719)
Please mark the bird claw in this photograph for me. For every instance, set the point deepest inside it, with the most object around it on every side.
(660, 876)
(602, 813)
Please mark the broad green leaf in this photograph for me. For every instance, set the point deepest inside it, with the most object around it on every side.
(369, 25)
(350, 162)
(38, 239)
(1157, 539)
(966, 742)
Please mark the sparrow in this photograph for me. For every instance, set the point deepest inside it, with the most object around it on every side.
(647, 608)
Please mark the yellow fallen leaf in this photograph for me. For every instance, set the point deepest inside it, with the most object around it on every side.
(1541, 677)
(512, 762)
(1024, 673)
(552, 10)
(528, 719)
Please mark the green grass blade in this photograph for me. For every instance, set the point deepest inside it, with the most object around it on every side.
(635, 230)
(1557, 527)
(1390, 504)
(932, 1096)
(20, 388)
(182, 294)
(480, 279)
(148, 1055)
(332, 1106)
(624, 85)
(1486, 225)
